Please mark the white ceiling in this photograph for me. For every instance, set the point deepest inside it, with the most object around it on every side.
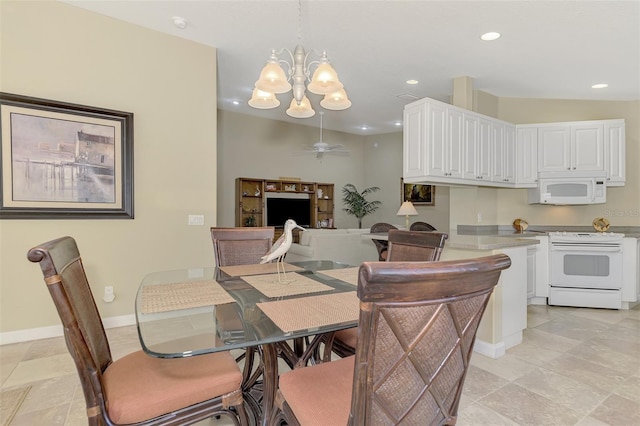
(548, 49)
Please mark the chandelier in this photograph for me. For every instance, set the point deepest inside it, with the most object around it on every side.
(274, 80)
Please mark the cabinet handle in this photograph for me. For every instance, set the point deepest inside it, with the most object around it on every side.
(568, 168)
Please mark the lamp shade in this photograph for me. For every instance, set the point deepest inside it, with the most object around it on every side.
(336, 101)
(263, 100)
(324, 80)
(407, 209)
(302, 110)
(273, 79)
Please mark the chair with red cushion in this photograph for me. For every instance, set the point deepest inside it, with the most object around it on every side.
(404, 246)
(418, 323)
(138, 388)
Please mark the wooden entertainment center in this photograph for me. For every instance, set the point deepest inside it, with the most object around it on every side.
(252, 195)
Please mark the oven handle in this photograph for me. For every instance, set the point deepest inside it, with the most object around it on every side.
(586, 248)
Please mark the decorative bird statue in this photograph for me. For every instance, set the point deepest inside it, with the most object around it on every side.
(280, 248)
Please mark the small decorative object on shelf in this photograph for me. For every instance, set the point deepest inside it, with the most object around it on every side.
(305, 188)
(250, 221)
(291, 187)
(270, 187)
(319, 193)
(257, 193)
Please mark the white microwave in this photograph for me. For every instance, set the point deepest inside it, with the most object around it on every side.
(561, 191)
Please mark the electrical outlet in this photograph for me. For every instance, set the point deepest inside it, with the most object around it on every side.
(109, 295)
(196, 219)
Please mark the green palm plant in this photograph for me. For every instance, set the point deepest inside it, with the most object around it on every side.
(357, 203)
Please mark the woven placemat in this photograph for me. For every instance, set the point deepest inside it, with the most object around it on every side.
(175, 296)
(313, 311)
(295, 284)
(348, 275)
(256, 269)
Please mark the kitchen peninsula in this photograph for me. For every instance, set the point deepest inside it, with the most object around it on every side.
(506, 315)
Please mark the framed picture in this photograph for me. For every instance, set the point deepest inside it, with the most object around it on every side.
(418, 194)
(64, 161)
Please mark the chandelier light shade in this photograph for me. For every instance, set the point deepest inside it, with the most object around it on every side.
(336, 101)
(263, 100)
(300, 110)
(407, 209)
(274, 80)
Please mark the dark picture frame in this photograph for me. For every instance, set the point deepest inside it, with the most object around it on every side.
(64, 161)
(418, 194)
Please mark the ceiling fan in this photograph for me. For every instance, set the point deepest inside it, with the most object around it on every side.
(321, 146)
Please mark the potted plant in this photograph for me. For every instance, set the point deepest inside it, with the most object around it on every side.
(357, 203)
(250, 221)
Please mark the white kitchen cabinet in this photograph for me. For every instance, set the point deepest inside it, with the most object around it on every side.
(531, 272)
(541, 271)
(571, 147)
(630, 271)
(503, 153)
(444, 141)
(414, 157)
(614, 152)
(526, 156)
(476, 148)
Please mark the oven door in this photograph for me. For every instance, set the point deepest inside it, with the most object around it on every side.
(576, 265)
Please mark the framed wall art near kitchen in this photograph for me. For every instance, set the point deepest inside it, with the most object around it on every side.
(418, 194)
(64, 161)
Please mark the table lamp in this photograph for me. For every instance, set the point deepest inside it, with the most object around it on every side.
(406, 210)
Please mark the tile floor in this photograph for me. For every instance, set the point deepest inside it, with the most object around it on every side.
(575, 366)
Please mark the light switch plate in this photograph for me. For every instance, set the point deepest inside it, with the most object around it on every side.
(196, 219)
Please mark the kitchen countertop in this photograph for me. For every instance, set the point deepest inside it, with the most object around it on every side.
(507, 231)
(486, 242)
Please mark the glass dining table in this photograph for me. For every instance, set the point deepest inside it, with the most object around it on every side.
(195, 311)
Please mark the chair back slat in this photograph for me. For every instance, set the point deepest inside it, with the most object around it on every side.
(241, 246)
(418, 323)
(415, 246)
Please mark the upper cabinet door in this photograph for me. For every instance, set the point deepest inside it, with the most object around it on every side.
(437, 164)
(554, 149)
(587, 146)
(526, 156)
(414, 141)
(454, 144)
(614, 152)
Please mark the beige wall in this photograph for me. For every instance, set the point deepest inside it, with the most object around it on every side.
(250, 146)
(55, 51)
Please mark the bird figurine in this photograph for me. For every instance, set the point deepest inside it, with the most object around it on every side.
(280, 248)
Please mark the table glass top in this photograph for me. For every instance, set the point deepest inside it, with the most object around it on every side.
(202, 310)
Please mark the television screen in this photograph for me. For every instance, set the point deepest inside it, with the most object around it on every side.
(281, 209)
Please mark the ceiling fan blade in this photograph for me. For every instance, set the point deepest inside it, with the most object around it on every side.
(319, 154)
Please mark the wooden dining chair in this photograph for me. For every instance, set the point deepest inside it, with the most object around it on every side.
(381, 245)
(421, 226)
(137, 389)
(404, 246)
(418, 322)
(241, 246)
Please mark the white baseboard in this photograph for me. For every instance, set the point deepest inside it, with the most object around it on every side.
(56, 330)
(492, 350)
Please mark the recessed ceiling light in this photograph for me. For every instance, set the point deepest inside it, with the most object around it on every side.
(235, 102)
(398, 123)
(364, 128)
(179, 22)
(490, 36)
(412, 81)
(600, 86)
